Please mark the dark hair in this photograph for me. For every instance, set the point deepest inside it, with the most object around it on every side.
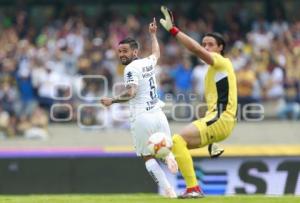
(132, 42)
(219, 38)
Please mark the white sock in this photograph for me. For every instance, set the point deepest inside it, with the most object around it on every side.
(157, 173)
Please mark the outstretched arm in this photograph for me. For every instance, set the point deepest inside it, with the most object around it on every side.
(194, 47)
(185, 40)
(154, 42)
(125, 96)
(128, 94)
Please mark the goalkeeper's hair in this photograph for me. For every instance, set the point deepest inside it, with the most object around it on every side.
(132, 42)
(219, 38)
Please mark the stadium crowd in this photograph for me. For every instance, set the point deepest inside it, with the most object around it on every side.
(42, 67)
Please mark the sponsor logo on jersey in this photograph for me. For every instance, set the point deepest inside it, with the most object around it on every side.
(129, 77)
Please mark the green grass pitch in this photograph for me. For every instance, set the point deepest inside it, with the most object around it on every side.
(141, 198)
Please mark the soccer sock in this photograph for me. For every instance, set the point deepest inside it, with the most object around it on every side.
(157, 173)
(184, 161)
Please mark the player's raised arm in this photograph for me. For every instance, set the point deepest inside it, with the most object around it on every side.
(188, 42)
(155, 45)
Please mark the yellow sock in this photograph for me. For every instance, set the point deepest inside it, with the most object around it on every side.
(184, 160)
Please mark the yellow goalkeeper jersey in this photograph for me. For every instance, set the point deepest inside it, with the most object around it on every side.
(220, 87)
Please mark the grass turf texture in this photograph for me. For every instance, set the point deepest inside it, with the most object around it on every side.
(141, 198)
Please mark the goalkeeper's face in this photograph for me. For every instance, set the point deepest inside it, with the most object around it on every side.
(211, 45)
(126, 53)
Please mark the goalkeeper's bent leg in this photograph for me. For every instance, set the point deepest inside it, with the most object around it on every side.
(184, 161)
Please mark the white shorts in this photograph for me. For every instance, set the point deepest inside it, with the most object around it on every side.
(146, 124)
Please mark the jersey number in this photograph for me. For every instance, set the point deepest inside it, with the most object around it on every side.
(152, 88)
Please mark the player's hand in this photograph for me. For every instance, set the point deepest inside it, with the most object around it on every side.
(168, 21)
(153, 27)
(106, 101)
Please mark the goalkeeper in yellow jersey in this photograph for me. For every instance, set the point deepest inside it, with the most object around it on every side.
(221, 98)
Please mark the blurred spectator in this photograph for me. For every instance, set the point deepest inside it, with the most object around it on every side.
(21, 24)
(23, 125)
(260, 38)
(6, 129)
(24, 83)
(237, 56)
(289, 107)
(36, 126)
(75, 40)
(166, 83)
(70, 62)
(198, 78)
(272, 81)
(260, 24)
(279, 26)
(8, 95)
(39, 125)
(182, 75)
(246, 82)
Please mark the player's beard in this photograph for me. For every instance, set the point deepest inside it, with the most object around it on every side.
(126, 61)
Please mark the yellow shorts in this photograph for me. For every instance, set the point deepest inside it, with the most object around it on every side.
(213, 129)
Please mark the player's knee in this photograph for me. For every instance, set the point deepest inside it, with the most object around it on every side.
(191, 135)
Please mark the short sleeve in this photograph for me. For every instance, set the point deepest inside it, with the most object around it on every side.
(131, 76)
(218, 60)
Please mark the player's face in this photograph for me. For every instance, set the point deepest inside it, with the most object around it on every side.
(211, 45)
(126, 54)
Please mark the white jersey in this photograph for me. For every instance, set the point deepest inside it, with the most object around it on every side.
(141, 72)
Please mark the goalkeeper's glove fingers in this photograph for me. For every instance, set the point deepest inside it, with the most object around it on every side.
(168, 21)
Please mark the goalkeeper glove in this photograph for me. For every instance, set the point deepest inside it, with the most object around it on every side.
(168, 22)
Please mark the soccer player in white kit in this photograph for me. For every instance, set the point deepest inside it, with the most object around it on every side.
(147, 117)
